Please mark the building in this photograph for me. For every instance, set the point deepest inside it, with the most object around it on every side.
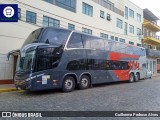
(119, 20)
(151, 40)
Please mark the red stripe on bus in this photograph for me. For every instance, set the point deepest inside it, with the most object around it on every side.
(124, 74)
(118, 56)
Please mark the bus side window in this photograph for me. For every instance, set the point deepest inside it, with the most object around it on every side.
(106, 45)
(75, 41)
(136, 51)
(122, 48)
(86, 39)
(117, 47)
(73, 65)
(111, 45)
(142, 52)
(47, 59)
(97, 43)
(129, 50)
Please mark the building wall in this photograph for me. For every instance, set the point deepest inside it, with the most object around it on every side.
(12, 35)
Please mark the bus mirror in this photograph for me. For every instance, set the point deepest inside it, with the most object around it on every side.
(13, 52)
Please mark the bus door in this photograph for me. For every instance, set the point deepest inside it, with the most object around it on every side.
(45, 62)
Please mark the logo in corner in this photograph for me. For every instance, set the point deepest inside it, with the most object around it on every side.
(8, 12)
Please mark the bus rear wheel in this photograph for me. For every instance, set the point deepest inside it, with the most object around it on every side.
(84, 82)
(68, 84)
(137, 77)
(131, 78)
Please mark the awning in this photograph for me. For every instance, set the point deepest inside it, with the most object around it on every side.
(147, 14)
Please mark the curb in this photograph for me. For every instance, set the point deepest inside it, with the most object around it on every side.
(156, 76)
(8, 90)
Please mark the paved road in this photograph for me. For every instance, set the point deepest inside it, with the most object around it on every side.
(139, 96)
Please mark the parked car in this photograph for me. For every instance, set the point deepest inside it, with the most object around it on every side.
(149, 74)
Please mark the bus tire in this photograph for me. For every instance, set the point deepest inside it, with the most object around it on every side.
(137, 77)
(131, 78)
(68, 84)
(84, 82)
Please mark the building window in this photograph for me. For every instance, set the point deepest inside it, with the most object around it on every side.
(108, 17)
(131, 29)
(108, 4)
(131, 13)
(119, 23)
(87, 9)
(131, 43)
(139, 45)
(49, 1)
(103, 35)
(102, 14)
(71, 26)
(121, 40)
(50, 22)
(125, 28)
(116, 38)
(31, 17)
(126, 12)
(112, 37)
(85, 30)
(139, 31)
(138, 17)
(19, 13)
(67, 4)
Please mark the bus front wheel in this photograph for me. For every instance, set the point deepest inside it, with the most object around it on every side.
(84, 82)
(68, 84)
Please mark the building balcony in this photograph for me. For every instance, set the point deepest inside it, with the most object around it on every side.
(151, 26)
(152, 40)
(109, 5)
(153, 53)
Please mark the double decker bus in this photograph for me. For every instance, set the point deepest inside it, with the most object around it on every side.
(53, 58)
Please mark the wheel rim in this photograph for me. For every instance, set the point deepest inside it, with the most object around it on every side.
(84, 82)
(68, 84)
(137, 77)
(131, 78)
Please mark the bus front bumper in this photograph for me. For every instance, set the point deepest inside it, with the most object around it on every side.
(21, 84)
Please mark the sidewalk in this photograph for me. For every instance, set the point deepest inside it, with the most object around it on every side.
(157, 75)
(7, 87)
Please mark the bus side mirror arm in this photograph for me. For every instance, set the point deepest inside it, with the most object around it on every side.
(13, 52)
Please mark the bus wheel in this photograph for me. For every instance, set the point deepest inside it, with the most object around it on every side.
(131, 78)
(137, 77)
(68, 84)
(84, 82)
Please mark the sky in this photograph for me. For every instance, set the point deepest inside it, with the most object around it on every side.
(152, 5)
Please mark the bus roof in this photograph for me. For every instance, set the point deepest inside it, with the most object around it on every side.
(90, 35)
(106, 39)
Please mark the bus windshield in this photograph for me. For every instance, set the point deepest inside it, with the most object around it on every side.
(55, 36)
(24, 64)
(33, 37)
(52, 36)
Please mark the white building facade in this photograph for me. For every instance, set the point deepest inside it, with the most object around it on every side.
(119, 20)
